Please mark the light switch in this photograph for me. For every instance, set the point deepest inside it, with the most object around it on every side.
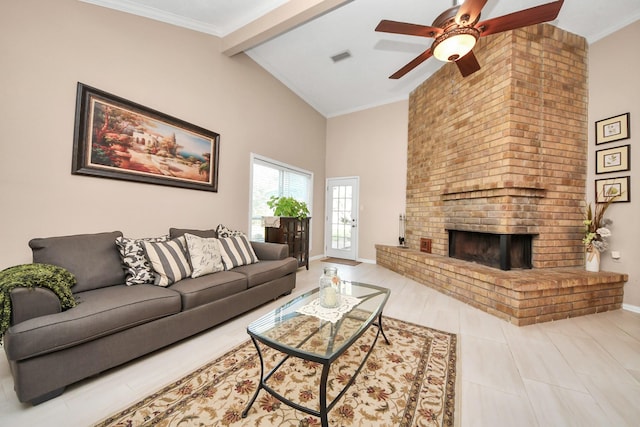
(615, 254)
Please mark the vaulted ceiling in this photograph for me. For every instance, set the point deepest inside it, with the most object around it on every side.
(295, 40)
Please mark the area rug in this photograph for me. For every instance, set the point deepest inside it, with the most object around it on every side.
(410, 382)
(341, 261)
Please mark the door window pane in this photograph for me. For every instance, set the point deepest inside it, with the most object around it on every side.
(341, 221)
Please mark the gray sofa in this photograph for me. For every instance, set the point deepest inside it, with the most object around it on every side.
(113, 323)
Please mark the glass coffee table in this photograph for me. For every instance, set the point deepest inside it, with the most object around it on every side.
(312, 338)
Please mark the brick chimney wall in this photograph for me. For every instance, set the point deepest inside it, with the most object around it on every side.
(505, 149)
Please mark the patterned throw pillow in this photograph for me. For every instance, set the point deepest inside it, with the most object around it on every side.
(227, 232)
(169, 260)
(137, 265)
(237, 251)
(204, 255)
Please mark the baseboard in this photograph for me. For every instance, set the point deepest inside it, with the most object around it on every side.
(363, 260)
(630, 307)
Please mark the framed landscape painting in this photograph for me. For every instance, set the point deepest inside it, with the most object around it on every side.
(119, 139)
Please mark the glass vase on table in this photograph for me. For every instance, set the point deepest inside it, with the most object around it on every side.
(330, 288)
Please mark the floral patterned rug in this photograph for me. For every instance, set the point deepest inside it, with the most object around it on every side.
(410, 382)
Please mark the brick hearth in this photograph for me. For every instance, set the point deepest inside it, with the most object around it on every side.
(504, 151)
(540, 295)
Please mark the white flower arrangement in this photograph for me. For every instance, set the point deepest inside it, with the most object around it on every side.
(596, 232)
(597, 240)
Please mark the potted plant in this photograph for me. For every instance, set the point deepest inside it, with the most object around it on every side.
(291, 227)
(288, 206)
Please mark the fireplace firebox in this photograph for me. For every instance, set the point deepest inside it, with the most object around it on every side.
(503, 251)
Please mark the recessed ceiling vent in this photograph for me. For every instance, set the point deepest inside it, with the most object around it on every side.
(341, 56)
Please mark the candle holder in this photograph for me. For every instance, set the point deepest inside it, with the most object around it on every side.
(330, 288)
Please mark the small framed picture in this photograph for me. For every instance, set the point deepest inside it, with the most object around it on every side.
(612, 129)
(613, 159)
(614, 190)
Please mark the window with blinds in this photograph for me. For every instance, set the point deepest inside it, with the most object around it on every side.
(272, 178)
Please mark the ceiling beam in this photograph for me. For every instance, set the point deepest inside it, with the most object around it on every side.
(276, 22)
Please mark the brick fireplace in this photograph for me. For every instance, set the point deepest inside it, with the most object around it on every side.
(503, 152)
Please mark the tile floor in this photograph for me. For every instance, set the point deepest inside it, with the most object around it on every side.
(576, 372)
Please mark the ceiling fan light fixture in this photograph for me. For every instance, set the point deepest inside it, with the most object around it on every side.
(454, 44)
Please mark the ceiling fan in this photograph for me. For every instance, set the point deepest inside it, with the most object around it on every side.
(457, 30)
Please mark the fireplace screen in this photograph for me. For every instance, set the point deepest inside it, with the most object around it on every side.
(503, 251)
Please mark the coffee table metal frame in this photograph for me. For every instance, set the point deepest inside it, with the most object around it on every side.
(375, 318)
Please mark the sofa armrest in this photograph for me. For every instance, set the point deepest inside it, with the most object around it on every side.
(270, 251)
(27, 303)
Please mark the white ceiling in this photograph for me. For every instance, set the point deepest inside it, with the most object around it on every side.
(301, 57)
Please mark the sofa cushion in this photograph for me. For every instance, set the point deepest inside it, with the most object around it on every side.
(265, 271)
(236, 251)
(100, 312)
(133, 256)
(169, 260)
(209, 288)
(177, 232)
(204, 255)
(93, 258)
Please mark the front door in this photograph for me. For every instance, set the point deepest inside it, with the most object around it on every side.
(341, 218)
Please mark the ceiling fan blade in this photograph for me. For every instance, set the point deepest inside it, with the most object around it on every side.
(395, 27)
(413, 64)
(469, 11)
(468, 64)
(524, 18)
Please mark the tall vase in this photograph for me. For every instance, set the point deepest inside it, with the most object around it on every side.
(592, 260)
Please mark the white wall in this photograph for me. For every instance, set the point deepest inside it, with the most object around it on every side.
(372, 144)
(614, 89)
(46, 47)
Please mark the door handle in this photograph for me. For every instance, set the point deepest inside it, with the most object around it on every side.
(354, 223)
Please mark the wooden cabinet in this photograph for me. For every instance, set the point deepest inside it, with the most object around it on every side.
(293, 232)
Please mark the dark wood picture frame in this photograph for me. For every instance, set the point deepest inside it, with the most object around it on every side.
(621, 185)
(614, 128)
(617, 159)
(119, 139)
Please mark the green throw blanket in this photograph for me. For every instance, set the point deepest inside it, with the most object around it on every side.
(58, 279)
